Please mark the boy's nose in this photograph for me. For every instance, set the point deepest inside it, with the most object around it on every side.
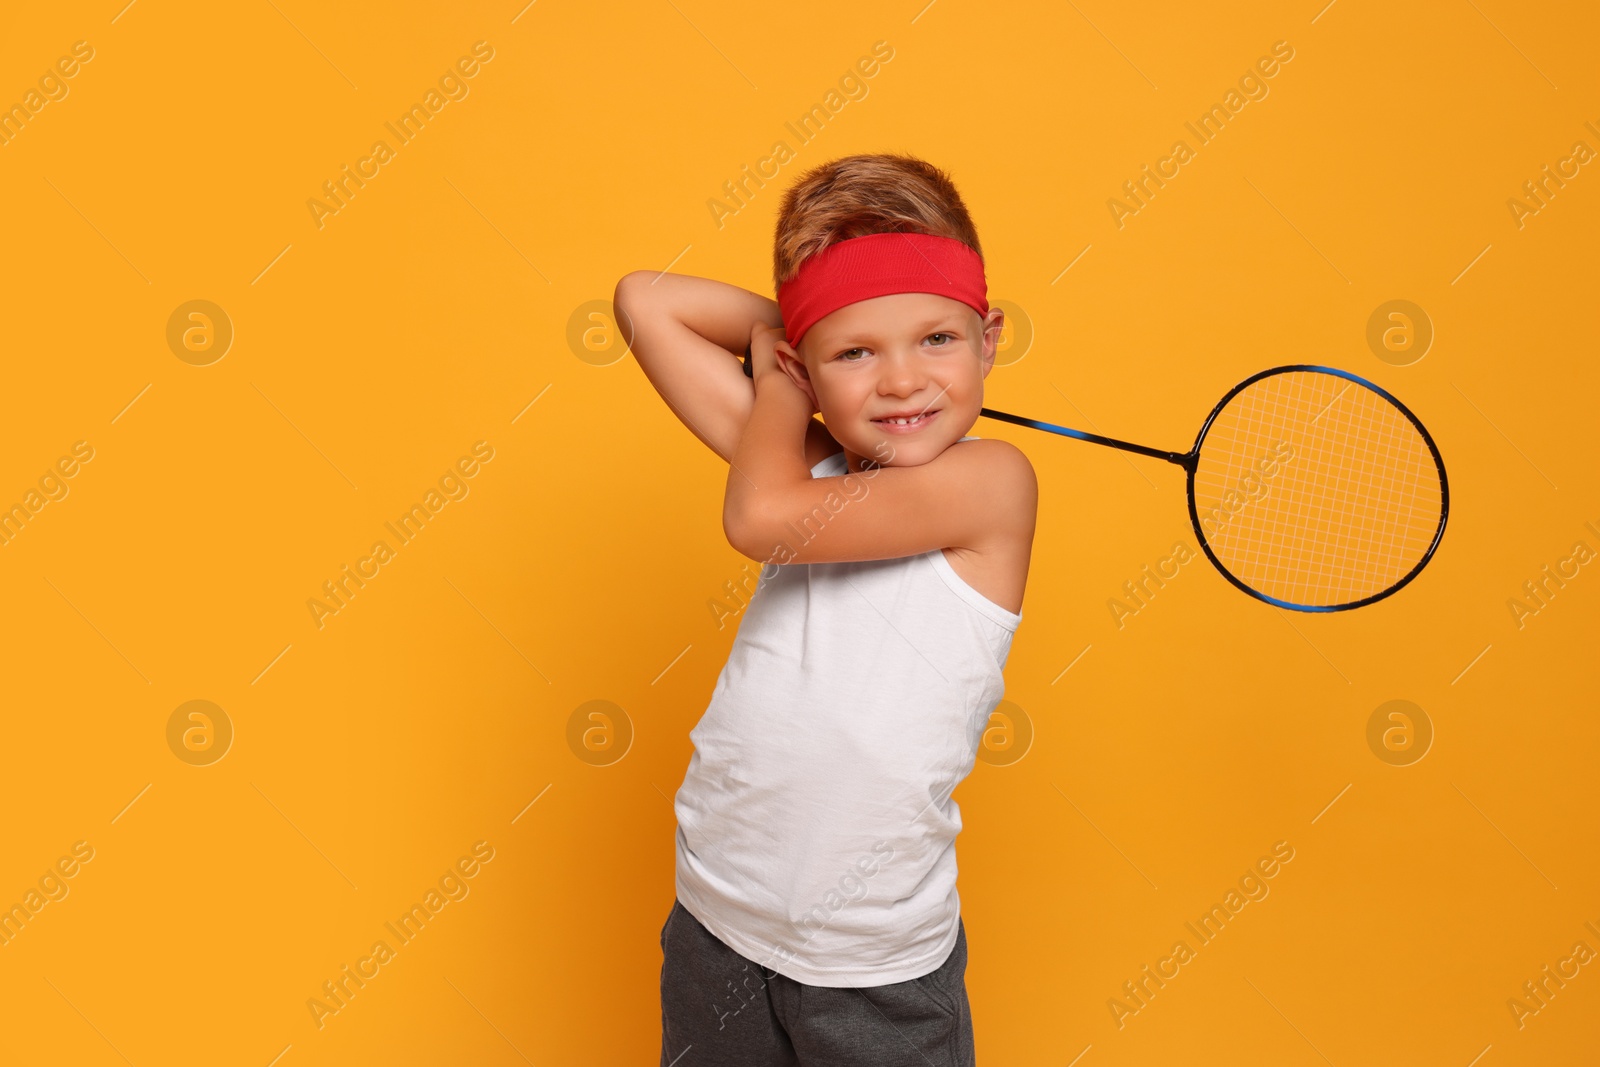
(901, 376)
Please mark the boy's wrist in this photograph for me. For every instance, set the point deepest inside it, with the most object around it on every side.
(787, 394)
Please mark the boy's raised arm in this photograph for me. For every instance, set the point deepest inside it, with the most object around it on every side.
(686, 333)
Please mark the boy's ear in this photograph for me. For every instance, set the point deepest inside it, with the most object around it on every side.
(993, 325)
(790, 363)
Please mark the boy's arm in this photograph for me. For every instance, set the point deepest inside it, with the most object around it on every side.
(684, 332)
(971, 495)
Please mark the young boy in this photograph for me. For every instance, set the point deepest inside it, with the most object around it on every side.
(817, 920)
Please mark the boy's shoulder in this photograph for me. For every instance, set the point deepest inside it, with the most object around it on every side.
(996, 458)
(1006, 474)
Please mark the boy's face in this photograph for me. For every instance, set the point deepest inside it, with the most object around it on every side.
(905, 354)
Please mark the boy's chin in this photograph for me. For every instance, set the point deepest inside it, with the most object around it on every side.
(891, 452)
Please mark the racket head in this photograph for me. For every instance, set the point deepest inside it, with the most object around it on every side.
(1313, 489)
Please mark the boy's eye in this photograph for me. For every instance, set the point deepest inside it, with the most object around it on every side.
(845, 356)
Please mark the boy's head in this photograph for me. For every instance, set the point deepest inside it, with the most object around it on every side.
(924, 339)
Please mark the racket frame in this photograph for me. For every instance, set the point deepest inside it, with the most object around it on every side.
(1190, 461)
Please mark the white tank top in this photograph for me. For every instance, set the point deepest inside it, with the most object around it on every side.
(816, 833)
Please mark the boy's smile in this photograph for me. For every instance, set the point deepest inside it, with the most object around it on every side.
(899, 378)
(907, 423)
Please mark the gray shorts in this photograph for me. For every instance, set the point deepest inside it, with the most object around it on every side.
(719, 1009)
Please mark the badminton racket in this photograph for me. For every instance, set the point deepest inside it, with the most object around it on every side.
(1309, 487)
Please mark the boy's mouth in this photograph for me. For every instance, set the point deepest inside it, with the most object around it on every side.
(908, 422)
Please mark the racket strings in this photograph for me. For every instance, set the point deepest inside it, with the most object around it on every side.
(1344, 565)
(1335, 560)
(1315, 490)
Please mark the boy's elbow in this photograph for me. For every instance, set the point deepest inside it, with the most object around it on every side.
(739, 529)
(630, 305)
(630, 288)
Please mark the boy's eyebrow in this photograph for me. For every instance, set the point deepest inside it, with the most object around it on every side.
(837, 337)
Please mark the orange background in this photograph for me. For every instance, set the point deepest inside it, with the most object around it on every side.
(369, 354)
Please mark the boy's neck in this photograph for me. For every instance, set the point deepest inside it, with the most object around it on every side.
(855, 464)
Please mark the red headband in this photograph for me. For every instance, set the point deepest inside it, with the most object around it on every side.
(877, 265)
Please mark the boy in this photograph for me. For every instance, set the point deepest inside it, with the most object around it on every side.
(817, 920)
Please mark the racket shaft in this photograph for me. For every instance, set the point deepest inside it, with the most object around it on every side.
(1182, 459)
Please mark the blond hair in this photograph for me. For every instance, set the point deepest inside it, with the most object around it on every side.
(865, 194)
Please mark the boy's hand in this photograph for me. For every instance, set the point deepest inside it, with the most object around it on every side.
(764, 342)
(767, 349)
